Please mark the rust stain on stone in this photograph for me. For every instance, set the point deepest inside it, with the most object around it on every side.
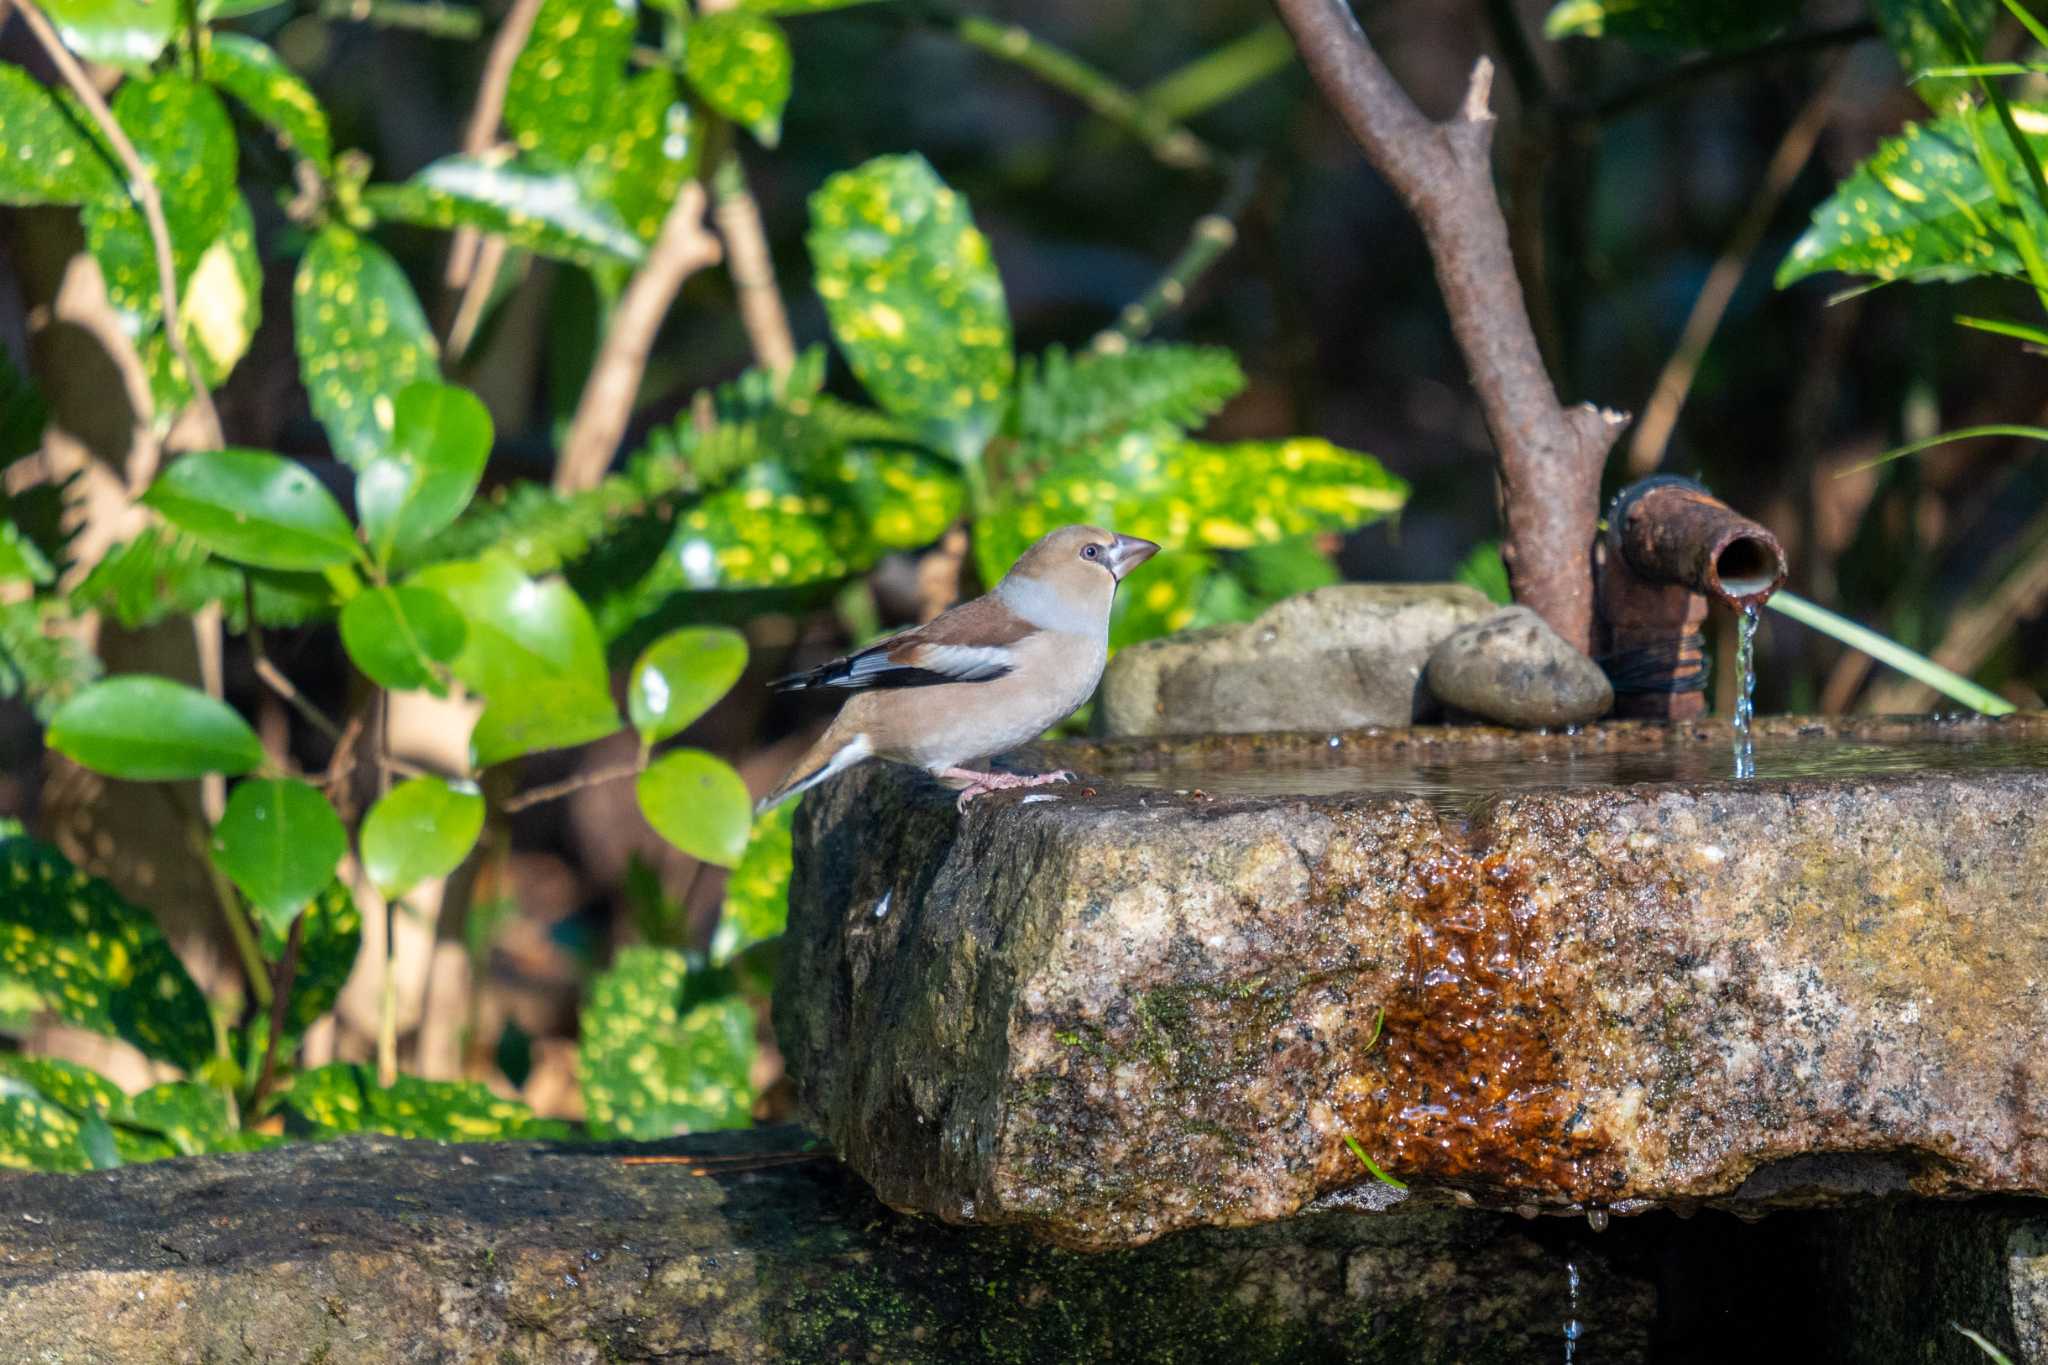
(1467, 1085)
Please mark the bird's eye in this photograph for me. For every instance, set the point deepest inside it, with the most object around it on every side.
(1091, 552)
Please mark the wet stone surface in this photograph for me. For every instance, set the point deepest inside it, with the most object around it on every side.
(1129, 1011)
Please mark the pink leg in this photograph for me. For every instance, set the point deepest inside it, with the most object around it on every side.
(980, 784)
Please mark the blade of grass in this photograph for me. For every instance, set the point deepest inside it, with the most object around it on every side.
(1981, 69)
(2018, 331)
(1214, 77)
(1371, 1165)
(1983, 1344)
(1945, 438)
(1916, 666)
(2028, 21)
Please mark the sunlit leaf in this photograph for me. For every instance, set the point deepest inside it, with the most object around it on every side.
(397, 635)
(757, 893)
(1484, 569)
(342, 1098)
(797, 6)
(1672, 25)
(79, 1089)
(219, 312)
(255, 507)
(420, 830)
(1920, 207)
(150, 729)
(1923, 33)
(1065, 402)
(563, 96)
(679, 676)
(37, 1134)
(651, 151)
(1161, 598)
(649, 1070)
(739, 63)
(192, 1118)
(698, 803)
(129, 34)
(914, 300)
(279, 841)
(440, 442)
(545, 211)
(254, 74)
(45, 157)
(94, 960)
(330, 938)
(361, 340)
(20, 560)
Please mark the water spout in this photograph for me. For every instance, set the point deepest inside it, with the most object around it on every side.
(1671, 547)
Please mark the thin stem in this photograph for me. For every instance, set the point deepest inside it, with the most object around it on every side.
(253, 965)
(387, 1004)
(1676, 80)
(554, 791)
(1214, 234)
(470, 270)
(274, 678)
(280, 1001)
(421, 16)
(752, 267)
(1170, 143)
(1223, 74)
(143, 188)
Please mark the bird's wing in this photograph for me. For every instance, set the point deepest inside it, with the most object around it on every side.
(974, 642)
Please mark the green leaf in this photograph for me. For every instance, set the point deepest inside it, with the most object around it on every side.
(45, 665)
(1672, 25)
(1162, 599)
(1919, 208)
(255, 507)
(1484, 569)
(129, 34)
(279, 841)
(647, 1069)
(1195, 495)
(20, 560)
(698, 803)
(914, 300)
(94, 960)
(183, 134)
(192, 1118)
(1067, 402)
(219, 312)
(532, 652)
(679, 676)
(361, 339)
(544, 211)
(150, 729)
(397, 635)
(563, 97)
(164, 573)
(79, 1089)
(254, 74)
(344, 1098)
(36, 1134)
(440, 442)
(420, 830)
(651, 152)
(757, 893)
(329, 941)
(45, 157)
(1923, 33)
(797, 6)
(740, 66)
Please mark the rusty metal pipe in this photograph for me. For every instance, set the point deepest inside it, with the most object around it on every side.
(1670, 547)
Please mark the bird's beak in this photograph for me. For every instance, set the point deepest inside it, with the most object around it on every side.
(1127, 553)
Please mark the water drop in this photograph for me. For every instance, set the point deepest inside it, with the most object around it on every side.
(1596, 1219)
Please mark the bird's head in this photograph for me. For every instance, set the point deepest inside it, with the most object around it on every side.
(1077, 567)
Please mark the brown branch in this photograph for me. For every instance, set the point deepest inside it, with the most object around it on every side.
(142, 186)
(280, 1001)
(555, 791)
(480, 134)
(682, 248)
(752, 267)
(1550, 456)
(1660, 416)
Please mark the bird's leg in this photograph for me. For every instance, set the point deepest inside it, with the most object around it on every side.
(980, 784)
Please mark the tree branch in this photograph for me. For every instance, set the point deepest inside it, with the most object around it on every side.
(568, 786)
(142, 186)
(472, 271)
(1550, 456)
(752, 267)
(1213, 235)
(682, 248)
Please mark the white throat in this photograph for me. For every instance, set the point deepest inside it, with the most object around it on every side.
(1037, 603)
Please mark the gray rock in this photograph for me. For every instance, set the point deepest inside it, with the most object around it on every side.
(1514, 669)
(1110, 1012)
(371, 1250)
(1332, 659)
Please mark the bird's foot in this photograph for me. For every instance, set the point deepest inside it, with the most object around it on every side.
(981, 784)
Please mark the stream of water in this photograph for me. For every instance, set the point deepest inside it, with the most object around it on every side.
(1572, 1329)
(1745, 700)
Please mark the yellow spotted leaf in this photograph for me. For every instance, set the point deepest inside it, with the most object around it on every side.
(361, 339)
(739, 64)
(343, 1098)
(648, 1067)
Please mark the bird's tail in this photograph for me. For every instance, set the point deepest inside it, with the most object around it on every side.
(834, 752)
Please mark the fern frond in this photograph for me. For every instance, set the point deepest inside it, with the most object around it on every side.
(45, 668)
(161, 573)
(1067, 401)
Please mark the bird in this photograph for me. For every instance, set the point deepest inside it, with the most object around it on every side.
(983, 677)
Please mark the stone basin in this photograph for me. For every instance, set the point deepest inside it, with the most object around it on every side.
(1566, 973)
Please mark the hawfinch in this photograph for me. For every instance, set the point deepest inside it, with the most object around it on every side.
(984, 677)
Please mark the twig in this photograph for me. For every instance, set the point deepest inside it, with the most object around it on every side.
(274, 678)
(468, 270)
(1214, 234)
(752, 267)
(1170, 143)
(1221, 74)
(1550, 456)
(244, 937)
(387, 1004)
(143, 189)
(280, 1000)
(476, 295)
(1675, 80)
(1660, 416)
(554, 791)
(421, 16)
(682, 248)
